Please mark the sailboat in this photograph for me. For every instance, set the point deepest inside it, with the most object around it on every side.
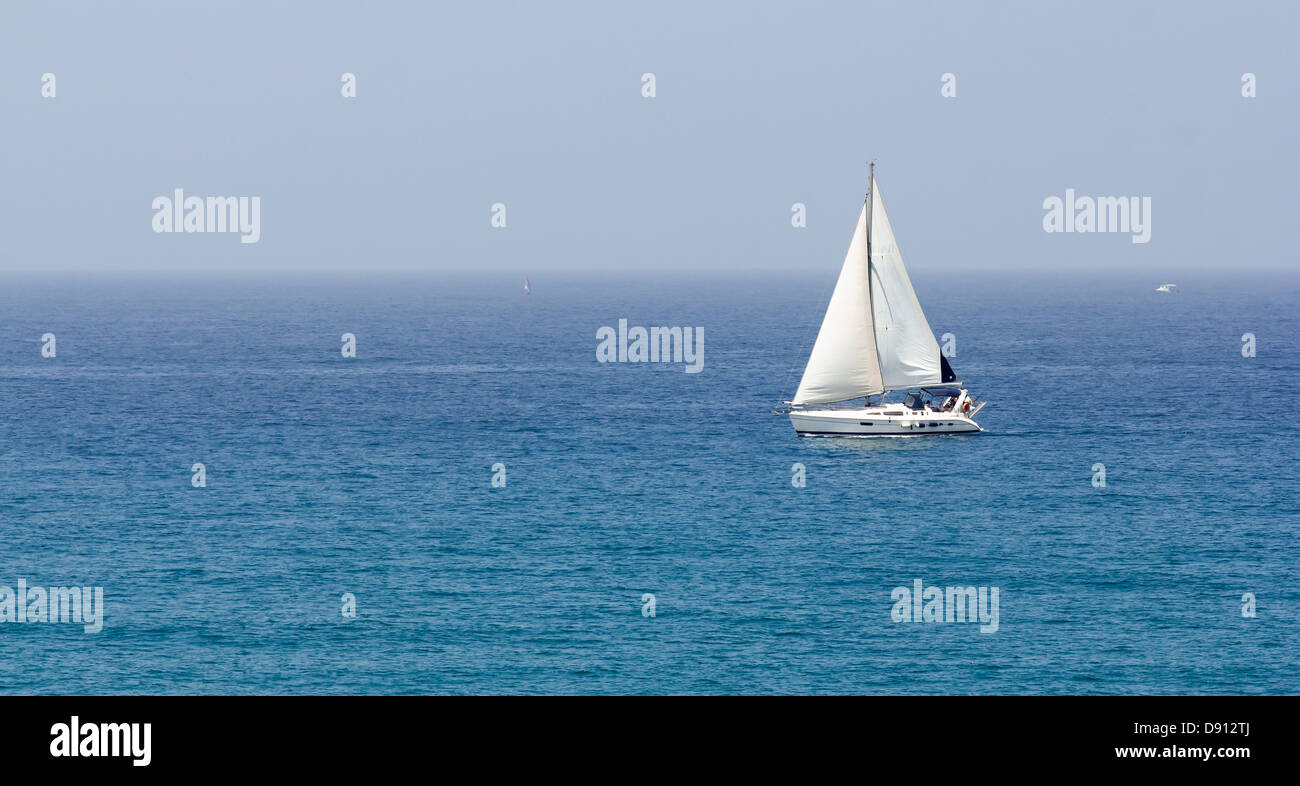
(874, 340)
(528, 288)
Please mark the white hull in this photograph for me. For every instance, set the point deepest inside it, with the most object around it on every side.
(886, 421)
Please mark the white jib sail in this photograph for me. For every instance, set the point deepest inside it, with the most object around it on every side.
(908, 353)
(843, 363)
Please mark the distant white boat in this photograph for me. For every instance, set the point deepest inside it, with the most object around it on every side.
(528, 288)
(1168, 289)
(874, 340)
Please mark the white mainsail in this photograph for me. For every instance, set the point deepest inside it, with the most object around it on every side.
(843, 364)
(909, 355)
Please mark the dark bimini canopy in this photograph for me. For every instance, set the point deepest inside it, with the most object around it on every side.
(942, 392)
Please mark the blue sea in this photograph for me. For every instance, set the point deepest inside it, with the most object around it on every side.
(373, 476)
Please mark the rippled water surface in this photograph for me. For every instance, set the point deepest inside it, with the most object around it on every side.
(373, 476)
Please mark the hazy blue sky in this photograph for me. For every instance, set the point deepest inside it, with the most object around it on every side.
(539, 106)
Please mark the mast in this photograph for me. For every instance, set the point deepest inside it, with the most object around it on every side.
(871, 179)
(871, 308)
